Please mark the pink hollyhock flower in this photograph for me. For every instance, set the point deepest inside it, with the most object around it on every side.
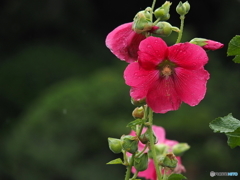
(123, 42)
(150, 172)
(167, 76)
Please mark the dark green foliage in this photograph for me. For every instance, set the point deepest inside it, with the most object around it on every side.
(58, 105)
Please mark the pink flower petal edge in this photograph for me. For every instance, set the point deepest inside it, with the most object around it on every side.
(124, 42)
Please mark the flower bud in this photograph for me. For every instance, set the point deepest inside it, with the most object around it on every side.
(144, 138)
(140, 102)
(169, 160)
(141, 163)
(142, 21)
(207, 44)
(164, 30)
(163, 12)
(130, 143)
(115, 145)
(138, 112)
(183, 8)
(161, 149)
(179, 149)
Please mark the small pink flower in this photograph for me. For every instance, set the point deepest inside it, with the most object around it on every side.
(124, 42)
(212, 45)
(167, 76)
(150, 172)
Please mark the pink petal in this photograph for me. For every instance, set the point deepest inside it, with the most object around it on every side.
(159, 133)
(212, 45)
(170, 143)
(188, 55)
(138, 93)
(124, 42)
(162, 96)
(191, 84)
(152, 51)
(139, 79)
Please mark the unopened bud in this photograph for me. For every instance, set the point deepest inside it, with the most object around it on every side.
(179, 149)
(183, 8)
(207, 44)
(169, 160)
(130, 143)
(142, 21)
(161, 149)
(144, 138)
(140, 102)
(115, 145)
(164, 29)
(138, 112)
(141, 163)
(162, 12)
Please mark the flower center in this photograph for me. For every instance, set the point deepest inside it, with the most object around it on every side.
(166, 68)
(166, 71)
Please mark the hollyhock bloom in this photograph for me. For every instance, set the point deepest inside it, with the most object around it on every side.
(123, 42)
(207, 44)
(167, 76)
(150, 172)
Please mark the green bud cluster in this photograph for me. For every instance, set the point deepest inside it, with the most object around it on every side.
(183, 8)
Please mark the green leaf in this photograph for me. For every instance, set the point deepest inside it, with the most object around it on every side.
(225, 124)
(230, 126)
(176, 177)
(234, 138)
(234, 46)
(237, 59)
(136, 122)
(116, 161)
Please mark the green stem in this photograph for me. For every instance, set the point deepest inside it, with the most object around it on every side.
(134, 176)
(159, 176)
(182, 17)
(155, 22)
(129, 168)
(139, 154)
(153, 5)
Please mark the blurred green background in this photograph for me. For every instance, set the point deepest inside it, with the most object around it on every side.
(62, 92)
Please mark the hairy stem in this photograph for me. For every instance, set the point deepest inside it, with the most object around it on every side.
(182, 17)
(159, 176)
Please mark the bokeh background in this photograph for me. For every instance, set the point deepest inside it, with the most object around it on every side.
(62, 92)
